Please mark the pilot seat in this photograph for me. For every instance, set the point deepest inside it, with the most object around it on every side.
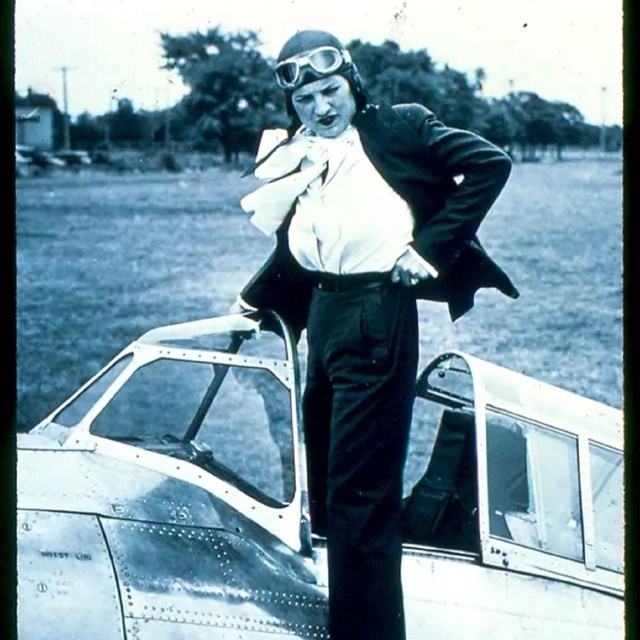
(441, 509)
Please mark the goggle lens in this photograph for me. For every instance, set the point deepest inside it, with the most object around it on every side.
(287, 73)
(325, 60)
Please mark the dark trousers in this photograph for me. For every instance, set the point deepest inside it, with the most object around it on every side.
(362, 365)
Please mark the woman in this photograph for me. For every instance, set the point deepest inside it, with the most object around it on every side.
(368, 217)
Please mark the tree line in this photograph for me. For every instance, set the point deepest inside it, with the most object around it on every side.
(232, 97)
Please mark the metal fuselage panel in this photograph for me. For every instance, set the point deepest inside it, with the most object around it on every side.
(186, 578)
(464, 600)
(107, 549)
(181, 560)
(66, 582)
(161, 630)
(86, 482)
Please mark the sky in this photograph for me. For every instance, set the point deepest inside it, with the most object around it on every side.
(567, 50)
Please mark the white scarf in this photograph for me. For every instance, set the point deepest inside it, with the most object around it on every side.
(272, 201)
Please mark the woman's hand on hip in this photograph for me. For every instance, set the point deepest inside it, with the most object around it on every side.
(409, 269)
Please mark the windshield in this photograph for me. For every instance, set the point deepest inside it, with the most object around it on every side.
(534, 488)
(606, 486)
(71, 415)
(232, 421)
(230, 410)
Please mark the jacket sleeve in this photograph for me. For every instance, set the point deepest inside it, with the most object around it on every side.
(281, 285)
(484, 169)
(266, 282)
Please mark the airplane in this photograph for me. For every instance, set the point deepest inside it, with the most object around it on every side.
(167, 499)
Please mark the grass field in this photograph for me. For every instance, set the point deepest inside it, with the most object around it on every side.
(102, 258)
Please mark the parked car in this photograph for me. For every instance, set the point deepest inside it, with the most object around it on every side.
(39, 158)
(74, 158)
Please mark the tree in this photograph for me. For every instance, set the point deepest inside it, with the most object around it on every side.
(458, 101)
(568, 126)
(232, 96)
(479, 79)
(498, 124)
(126, 126)
(534, 123)
(396, 76)
(590, 135)
(86, 132)
(613, 138)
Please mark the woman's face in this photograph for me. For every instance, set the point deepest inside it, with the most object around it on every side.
(325, 106)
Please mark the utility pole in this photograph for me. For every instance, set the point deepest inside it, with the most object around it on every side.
(167, 118)
(603, 131)
(65, 101)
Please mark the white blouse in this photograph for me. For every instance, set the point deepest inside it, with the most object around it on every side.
(353, 221)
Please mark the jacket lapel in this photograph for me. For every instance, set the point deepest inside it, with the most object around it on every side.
(386, 130)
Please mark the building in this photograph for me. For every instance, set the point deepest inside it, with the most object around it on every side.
(34, 120)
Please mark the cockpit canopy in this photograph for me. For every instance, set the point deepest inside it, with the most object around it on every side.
(542, 467)
(218, 393)
(524, 474)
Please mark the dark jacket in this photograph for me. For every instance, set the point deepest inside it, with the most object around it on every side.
(418, 157)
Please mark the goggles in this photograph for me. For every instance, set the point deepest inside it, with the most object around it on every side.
(321, 62)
